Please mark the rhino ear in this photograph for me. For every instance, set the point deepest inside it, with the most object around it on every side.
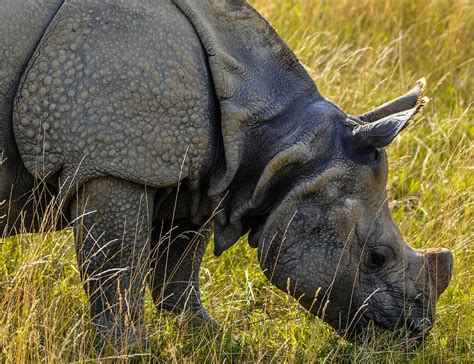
(402, 103)
(380, 133)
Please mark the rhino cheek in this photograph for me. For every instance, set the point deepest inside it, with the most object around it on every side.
(318, 276)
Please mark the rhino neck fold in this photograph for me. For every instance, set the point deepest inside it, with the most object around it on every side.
(279, 153)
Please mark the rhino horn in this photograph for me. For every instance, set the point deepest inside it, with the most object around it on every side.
(440, 268)
(402, 103)
(380, 133)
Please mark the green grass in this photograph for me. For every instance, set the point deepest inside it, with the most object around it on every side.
(360, 53)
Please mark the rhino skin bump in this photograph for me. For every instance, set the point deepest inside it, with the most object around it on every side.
(149, 123)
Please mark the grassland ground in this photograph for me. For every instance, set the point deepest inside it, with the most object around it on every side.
(360, 54)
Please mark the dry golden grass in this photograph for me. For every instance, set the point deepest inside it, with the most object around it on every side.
(360, 53)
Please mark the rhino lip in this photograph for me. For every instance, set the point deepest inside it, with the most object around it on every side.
(416, 329)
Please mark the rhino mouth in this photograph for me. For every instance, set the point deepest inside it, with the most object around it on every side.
(416, 329)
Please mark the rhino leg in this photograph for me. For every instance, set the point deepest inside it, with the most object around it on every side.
(112, 227)
(177, 252)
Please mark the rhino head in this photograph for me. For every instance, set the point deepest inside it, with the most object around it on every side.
(331, 242)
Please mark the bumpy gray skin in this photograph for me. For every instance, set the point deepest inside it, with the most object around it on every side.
(88, 106)
(150, 119)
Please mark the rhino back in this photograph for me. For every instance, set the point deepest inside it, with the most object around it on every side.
(119, 88)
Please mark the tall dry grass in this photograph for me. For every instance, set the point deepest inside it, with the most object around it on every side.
(360, 53)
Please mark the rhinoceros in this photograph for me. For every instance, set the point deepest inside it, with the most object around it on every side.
(149, 123)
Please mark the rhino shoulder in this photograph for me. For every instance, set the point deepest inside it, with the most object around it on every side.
(117, 88)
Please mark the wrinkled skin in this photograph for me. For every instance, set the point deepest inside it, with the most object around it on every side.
(144, 138)
(340, 254)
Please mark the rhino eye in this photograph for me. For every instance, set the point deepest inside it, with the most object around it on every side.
(376, 257)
